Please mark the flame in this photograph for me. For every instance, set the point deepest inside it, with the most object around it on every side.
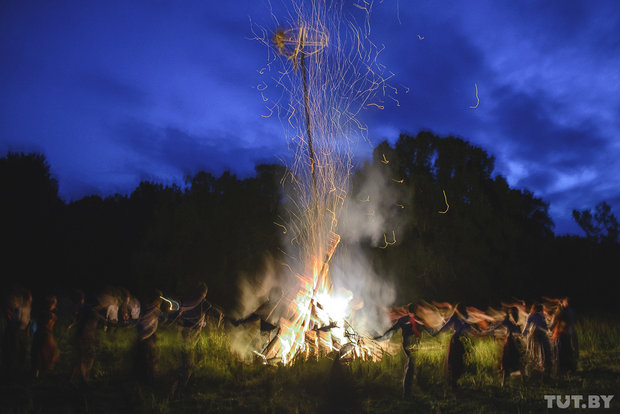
(317, 324)
(317, 320)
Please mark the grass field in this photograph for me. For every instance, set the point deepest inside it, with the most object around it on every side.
(222, 383)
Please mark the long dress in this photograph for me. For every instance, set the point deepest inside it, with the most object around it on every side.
(85, 341)
(511, 355)
(45, 351)
(147, 356)
(564, 352)
(409, 326)
(16, 336)
(538, 346)
(455, 363)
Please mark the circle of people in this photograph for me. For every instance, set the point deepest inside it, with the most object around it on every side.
(547, 332)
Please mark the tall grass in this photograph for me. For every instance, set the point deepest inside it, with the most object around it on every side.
(222, 382)
(598, 334)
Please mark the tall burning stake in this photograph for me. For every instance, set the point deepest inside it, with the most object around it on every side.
(324, 72)
(281, 39)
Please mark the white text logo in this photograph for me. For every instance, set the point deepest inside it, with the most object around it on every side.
(578, 401)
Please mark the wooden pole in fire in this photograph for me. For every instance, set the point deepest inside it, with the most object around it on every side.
(280, 39)
(302, 59)
(313, 163)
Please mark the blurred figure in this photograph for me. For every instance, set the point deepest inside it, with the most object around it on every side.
(267, 327)
(134, 308)
(538, 347)
(45, 351)
(455, 363)
(111, 313)
(511, 351)
(193, 303)
(521, 313)
(124, 309)
(192, 316)
(17, 334)
(146, 352)
(431, 315)
(263, 312)
(479, 318)
(85, 339)
(564, 339)
(410, 328)
(77, 303)
(190, 335)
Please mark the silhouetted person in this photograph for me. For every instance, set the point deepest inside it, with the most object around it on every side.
(538, 347)
(77, 303)
(124, 309)
(511, 353)
(264, 313)
(455, 363)
(191, 316)
(111, 303)
(564, 339)
(410, 329)
(45, 351)
(134, 308)
(17, 334)
(146, 352)
(85, 341)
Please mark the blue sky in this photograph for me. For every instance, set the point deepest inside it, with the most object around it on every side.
(117, 92)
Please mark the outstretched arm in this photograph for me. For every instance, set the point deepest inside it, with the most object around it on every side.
(446, 325)
(493, 328)
(393, 328)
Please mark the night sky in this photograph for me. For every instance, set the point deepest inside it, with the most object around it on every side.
(114, 92)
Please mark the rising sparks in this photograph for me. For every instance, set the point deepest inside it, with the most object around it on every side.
(322, 71)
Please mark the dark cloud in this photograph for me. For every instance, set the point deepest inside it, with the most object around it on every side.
(528, 122)
(176, 152)
(539, 179)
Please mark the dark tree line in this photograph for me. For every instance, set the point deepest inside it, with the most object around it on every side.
(482, 242)
(157, 236)
(483, 239)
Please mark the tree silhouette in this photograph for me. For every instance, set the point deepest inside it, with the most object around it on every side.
(488, 241)
(31, 218)
(481, 241)
(600, 226)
